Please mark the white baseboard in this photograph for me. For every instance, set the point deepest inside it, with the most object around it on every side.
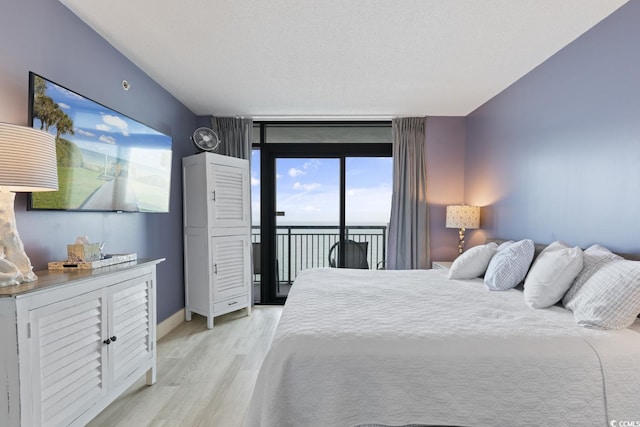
(170, 323)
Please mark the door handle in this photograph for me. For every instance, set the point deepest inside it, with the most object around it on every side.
(279, 213)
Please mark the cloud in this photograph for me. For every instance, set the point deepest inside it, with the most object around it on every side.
(278, 176)
(107, 139)
(255, 181)
(293, 172)
(64, 106)
(116, 122)
(312, 164)
(103, 127)
(68, 93)
(306, 187)
(84, 132)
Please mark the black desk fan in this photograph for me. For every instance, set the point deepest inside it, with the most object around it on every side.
(205, 139)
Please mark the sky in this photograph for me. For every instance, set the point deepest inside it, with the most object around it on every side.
(308, 190)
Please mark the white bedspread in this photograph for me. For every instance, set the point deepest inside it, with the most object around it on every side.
(400, 347)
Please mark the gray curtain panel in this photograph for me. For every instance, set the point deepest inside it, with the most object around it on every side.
(235, 136)
(409, 225)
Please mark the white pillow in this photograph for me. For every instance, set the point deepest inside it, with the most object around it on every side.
(594, 258)
(552, 274)
(473, 263)
(610, 299)
(509, 266)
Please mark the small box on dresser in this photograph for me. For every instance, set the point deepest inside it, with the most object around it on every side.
(83, 253)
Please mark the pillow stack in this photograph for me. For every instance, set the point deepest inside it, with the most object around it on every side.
(601, 288)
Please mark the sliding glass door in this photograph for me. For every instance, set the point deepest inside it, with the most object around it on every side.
(307, 215)
(321, 205)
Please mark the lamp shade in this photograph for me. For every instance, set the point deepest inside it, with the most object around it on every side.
(463, 216)
(27, 159)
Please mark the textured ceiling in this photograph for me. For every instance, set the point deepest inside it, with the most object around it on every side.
(338, 58)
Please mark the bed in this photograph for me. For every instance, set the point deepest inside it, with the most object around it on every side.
(394, 348)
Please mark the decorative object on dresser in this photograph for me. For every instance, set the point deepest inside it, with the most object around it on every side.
(107, 260)
(217, 235)
(83, 250)
(27, 164)
(462, 217)
(84, 255)
(73, 341)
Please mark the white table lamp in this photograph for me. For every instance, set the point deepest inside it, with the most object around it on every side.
(462, 217)
(27, 164)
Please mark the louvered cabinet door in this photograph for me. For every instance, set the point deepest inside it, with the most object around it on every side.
(68, 358)
(228, 194)
(231, 269)
(130, 318)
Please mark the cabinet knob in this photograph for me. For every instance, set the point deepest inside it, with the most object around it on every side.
(110, 340)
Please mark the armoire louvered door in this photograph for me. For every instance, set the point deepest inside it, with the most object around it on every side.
(230, 256)
(68, 358)
(229, 186)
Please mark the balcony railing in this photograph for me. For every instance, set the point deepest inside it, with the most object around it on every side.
(299, 247)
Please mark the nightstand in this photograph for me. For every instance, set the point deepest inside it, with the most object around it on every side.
(441, 265)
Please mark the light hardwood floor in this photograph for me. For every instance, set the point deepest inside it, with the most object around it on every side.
(205, 377)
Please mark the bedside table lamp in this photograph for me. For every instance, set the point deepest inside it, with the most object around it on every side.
(27, 163)
(462, 217)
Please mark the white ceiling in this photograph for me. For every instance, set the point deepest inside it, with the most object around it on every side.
(338, 58)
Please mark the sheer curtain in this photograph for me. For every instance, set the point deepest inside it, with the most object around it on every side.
(409, 224)
(235, 136)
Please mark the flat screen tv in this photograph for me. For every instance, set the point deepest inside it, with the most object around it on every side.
(106, 160)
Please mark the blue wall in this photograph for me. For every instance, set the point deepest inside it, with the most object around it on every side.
(45, 37)
(445, 139)
(557, 154)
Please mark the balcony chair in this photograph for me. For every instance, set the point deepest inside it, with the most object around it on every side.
(355, 254)
(257, 266)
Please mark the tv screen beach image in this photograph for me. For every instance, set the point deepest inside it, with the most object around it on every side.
(106, 160)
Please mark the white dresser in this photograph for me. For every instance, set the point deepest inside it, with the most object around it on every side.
(73, 341)
(217, 235)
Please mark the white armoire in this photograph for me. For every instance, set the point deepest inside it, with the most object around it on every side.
(217, 235)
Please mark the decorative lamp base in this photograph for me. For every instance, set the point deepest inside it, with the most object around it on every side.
(461, 241)
(15, 266)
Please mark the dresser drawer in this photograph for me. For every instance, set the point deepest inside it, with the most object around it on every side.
(230, 304)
